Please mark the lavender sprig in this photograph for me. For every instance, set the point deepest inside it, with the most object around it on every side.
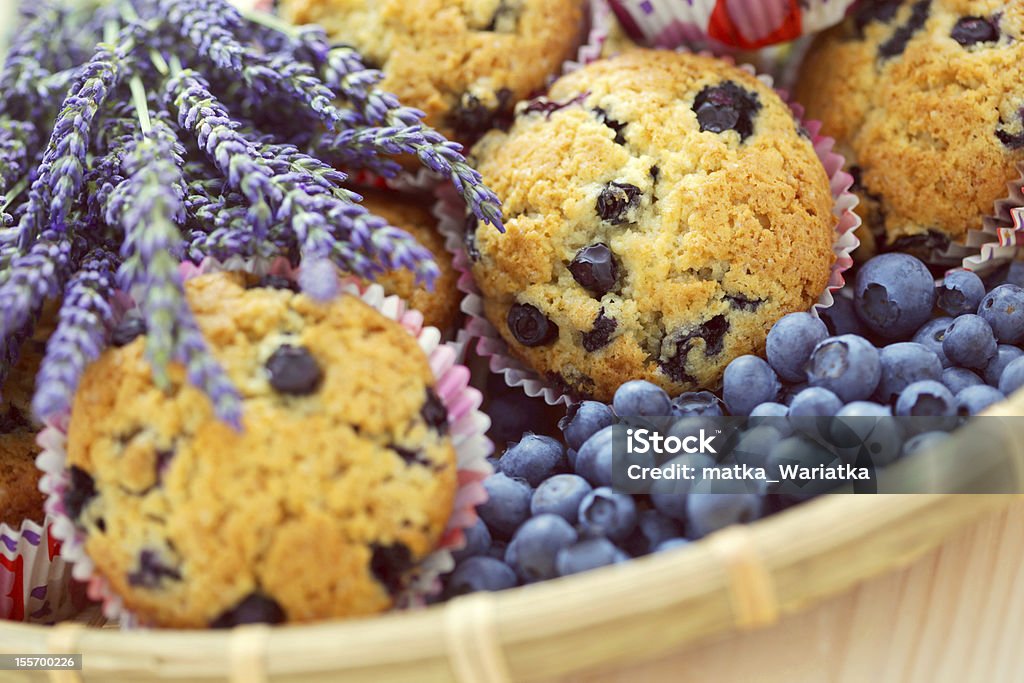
(210, 25)
(82, 329)
(153, 205)
(22, 66)
(61, 172)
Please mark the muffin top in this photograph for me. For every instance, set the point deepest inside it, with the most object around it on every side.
(440, 306)
(925, 100)
(341, 480)
(663, 210)
(463, 62)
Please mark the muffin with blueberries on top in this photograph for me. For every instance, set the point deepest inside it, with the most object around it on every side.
(465, 63)
(924, 99)
(663, 210)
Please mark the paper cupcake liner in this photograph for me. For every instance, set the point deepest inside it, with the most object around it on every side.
(467, 427)
(1001, 234)
(35, 585)
(450, 213)
(744, 24)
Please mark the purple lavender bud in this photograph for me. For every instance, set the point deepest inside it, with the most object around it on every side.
(82, 327)
(210, 25)
(319, 279)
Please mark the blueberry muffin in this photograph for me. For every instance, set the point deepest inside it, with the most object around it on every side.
(20, 498)
(663, 210)
(925, 100)
(463, 62)
(440, 307)
(342, 479)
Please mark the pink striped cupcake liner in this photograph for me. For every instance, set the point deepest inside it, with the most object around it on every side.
(1002, 233)
(711, 24)
(450, 213)
(467, 426)
(35, 586)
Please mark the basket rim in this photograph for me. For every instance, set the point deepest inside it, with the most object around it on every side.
(736, 579)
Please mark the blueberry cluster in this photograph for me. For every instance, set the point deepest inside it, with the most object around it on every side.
(900, 346)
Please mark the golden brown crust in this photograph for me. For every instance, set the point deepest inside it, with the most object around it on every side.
(292, 507)
(438, 54)
(440, 307)
(721, 219)
(921, 125)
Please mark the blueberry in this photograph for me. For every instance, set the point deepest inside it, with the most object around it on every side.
(897, 43)
(958, 379)
(152, 571)
(617, 126)
(727, 106)
(513, 413)
(1005, 354)
(1003, 309)
(533, 549)
(434, 412)
(293, 370)
(529, 326)
(640, 398)
(709, 512)
(594, 458)
(790, 342)
(879, 10)
(769, 410)
(923, 442)
(755, 444)
(970, 31)
(894, 295)
(534, 458)
(748, 382)
(652, 528)
(960, 292)
(390, 565)
(478, 541)
(931, 334)
(480, 574)
(903, 364)
(606, 513)
(697, 404)
(669, 497)
(81, 489)
(815, 402)
(586, 555)
(969, 342)
(560, 495)
(618, 203)
(864, 409)
(675, 347)
(841, 318)
(127, 330)
(277, 282)
(800, 451)
(497, 550)
(583, 420)
(255, 608)
(600, 334)
(849, 366)
(927, 398)
(672, 544)
(595, 268)
(1013, 377)
(973, 400)
(507, 506)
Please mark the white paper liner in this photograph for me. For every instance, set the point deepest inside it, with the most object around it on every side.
(35, 585)
(1001, 234)
(450, 213)
(467, 427)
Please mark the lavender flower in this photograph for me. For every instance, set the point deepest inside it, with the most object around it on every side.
(153, 205)
(22, 66)
(16, 137)
(61, 172)
(82, 328)
(210, 26)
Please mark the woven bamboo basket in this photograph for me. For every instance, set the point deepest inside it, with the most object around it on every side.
(799, 596)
